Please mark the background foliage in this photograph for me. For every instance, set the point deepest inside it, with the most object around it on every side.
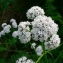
(11, 50)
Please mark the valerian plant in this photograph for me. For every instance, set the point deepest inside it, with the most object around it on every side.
(32, 40)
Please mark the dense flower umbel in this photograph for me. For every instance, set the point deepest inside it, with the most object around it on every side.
(34, 12)
(53, 42)
(42, 28)
(24, 60)
(23, 32)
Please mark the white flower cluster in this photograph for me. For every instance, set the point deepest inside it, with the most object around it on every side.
(53, 42)
(43, 28)
(24, 60)
(6, 29)
(23, 32)
(39, 50)
(34, 12)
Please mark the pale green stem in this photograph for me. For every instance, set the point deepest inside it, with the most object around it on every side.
(45, 53)
(41, 56)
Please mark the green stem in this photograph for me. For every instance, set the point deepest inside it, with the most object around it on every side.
(41, 56)
(45, 56)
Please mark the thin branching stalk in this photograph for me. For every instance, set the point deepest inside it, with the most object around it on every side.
(46, 53)
(41, 56)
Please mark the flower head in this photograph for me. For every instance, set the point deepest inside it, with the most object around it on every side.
(33, 45)
(14, 24)
(15, 34)
(24, 33)
(12, 20)
(53, 42)
(2, 32)
(7, 28)
(34, 12)
(24, 60)
(43, 27)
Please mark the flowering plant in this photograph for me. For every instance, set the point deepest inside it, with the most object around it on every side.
(39, 36)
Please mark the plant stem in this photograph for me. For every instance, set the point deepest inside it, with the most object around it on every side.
(41, 56)
(45, 56)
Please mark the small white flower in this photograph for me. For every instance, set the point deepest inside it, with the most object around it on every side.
(15, 34)
(34, 12)
(7, 28)
(12, 20)
(24, 33)
(39, 50)
(39, 53)
(3, 25)
(14, 24)
(24, 60)
(33, 45)
(2, 32)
